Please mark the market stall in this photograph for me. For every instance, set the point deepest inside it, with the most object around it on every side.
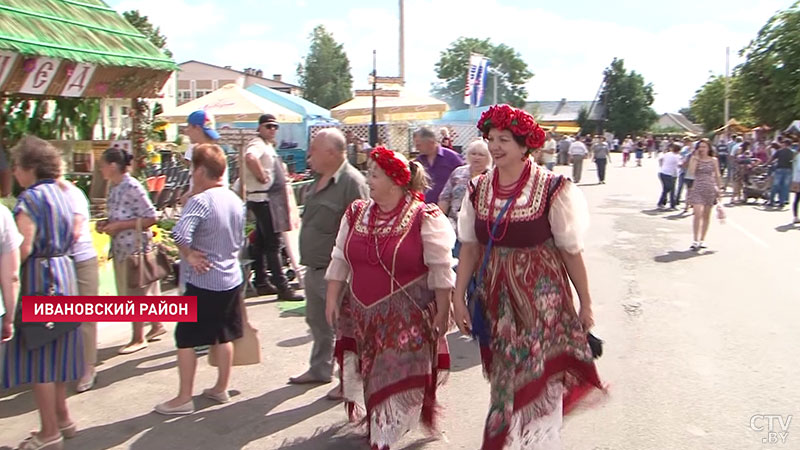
(392, 105)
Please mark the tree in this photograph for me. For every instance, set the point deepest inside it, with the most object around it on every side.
(587, 125)
(627, 100)
(325, 77)
(687, 112)
(141, 23)
(708, 104)
(770, 74)
(451, 69)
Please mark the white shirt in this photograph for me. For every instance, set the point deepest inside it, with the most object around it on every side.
(265, 153)
(549, 157)
(578, 148)
(670, 162)
(83, 248)
(10, 240)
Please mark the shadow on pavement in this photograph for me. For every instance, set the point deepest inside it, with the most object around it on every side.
(296, 342)
(787, 227)
(328, 439)
(654, 212)
(228, 427)
(674, 256)
(24, 402)
(464, 353)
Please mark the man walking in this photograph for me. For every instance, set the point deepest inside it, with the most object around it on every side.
(338, 183)
(601, 152)
(577, 153)
(782, 175)
(549, 151)
(438, 161)
(264, 173)
(563, 150)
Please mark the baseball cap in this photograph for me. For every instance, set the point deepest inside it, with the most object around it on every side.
(206, 121)
(267, 118)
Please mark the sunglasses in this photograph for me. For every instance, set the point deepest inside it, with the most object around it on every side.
(271, 126)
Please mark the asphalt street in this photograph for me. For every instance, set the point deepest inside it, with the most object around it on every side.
(700, 351)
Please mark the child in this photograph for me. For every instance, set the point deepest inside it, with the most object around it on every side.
(639, 153)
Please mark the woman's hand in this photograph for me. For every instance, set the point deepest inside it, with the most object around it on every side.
(112, 228)
(8, 330)
(332, 311)
(101, 225)
(440, 322)
(461, 316)
(198, 261)
(586, 317)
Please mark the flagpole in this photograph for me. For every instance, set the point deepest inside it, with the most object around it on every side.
(727, 92)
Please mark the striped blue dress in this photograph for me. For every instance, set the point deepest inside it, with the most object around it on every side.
(48, 265)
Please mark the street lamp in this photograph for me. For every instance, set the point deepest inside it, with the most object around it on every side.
(373, 128)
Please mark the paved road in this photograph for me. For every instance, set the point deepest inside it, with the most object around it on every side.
(697, 344)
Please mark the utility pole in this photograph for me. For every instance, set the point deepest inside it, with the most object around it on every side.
(402, 61)
(727, 92)
(494, 97)
(373, 128)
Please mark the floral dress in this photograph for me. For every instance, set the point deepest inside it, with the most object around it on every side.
(386, 337)
(537, 360)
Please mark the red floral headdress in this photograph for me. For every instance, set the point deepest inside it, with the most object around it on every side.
(397, 170)
(518, 121)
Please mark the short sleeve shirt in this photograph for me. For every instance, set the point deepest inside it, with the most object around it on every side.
(10, 240)
(127, 201)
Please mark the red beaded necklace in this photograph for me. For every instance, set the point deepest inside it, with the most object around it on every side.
(376, 213)
(513, 192)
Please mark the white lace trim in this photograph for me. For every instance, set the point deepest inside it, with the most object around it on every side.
(543, 433)
(352, 385)
(395, 417)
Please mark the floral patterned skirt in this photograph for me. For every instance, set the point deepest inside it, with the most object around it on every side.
(538, 360)
(388, 353)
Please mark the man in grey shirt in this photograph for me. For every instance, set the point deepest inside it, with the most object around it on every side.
(563, 150)
(337, 185)
(601, 150)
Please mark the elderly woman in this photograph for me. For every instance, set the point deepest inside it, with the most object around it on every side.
(209, 234)
(128, 203)
(478, 162)
(395, 252)
(44, 217)
(533, 344)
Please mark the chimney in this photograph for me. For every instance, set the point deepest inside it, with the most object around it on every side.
(259, 73)
(277, 77)
(227, 67)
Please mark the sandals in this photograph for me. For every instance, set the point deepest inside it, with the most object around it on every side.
(86, 385)
(69, 431)
(33, 442)
(219, 397)
(133, 348)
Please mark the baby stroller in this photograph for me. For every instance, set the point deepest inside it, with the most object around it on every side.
(757, 183)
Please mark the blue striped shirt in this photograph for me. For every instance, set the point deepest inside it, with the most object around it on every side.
(213, 223)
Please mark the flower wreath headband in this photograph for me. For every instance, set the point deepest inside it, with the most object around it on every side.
(398, 170)
(518, 122)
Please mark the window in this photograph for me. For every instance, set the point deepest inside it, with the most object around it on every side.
(123, 111)
(201, 92)
(184, 95)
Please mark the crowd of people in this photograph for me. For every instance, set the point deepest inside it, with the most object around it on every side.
(380, 283)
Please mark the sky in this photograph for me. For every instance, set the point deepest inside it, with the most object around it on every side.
(676, 45)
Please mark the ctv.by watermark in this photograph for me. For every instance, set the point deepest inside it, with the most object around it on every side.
(774, 426)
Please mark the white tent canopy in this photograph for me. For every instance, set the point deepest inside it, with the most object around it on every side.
(231, 103)
(794, 127)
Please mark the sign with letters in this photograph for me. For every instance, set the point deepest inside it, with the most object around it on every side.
(39, 79)
(78, 80)
(7, 60)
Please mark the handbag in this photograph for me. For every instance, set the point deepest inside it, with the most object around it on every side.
(246, 349)
(479, 329)
(146, 267)
(36, 334)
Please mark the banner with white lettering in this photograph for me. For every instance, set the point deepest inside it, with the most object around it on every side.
(7, 60)
(39, 79)
(78, 80)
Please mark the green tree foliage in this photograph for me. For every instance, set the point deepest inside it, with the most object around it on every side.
(770, 74)
(687, 112)
(452, 72)
(141, 23)
(325, 77)
(586, 125)
(627, 99)
(708, 104)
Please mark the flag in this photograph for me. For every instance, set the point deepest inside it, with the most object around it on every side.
(476, 79)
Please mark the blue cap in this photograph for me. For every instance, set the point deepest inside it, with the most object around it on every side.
(205, 120)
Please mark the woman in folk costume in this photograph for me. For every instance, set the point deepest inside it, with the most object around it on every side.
(393, 254)
(533, 344)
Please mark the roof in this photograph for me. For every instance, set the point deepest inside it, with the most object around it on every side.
(563, 110)
(231, 103)
(680, 121)
(404, 107)
(84, 31)
(292, 102)
(240, 72)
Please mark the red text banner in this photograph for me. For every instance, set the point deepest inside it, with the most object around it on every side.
(109, 309)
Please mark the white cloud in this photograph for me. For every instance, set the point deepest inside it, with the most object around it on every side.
(273, 57)
(254, 30)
